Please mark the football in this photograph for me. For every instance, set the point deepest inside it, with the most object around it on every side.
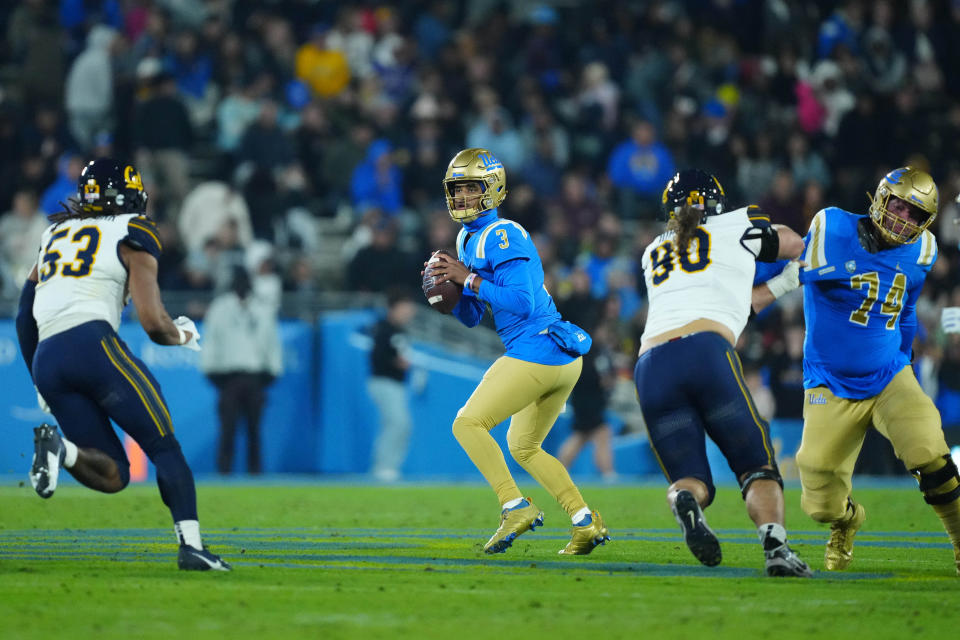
(444, 296)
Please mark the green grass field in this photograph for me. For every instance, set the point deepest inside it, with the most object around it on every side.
(341, 561)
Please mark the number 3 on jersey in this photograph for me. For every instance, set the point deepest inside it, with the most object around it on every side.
(87, 237)
(695, 258)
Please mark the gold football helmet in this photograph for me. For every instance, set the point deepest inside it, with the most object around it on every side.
(912, 186)
(475, 165)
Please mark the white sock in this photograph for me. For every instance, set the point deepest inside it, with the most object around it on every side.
(580, 515)
(772, 530)
(188, 532)
(70, 458)
(512, 503)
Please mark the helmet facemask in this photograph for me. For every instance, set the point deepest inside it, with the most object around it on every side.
(469, 206)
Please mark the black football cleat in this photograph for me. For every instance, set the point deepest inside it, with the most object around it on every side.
(193, 559)
(48, 454)
(699, 538)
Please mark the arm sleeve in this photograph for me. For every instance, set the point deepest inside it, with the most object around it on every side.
(469, 310)
(27, 333)
(142, 235)
(512, 288)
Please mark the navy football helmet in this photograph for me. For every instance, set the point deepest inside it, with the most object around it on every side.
(107, 187)
(696, 187)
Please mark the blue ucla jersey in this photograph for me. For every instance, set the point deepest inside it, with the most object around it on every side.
(859, 307)
(489, 244)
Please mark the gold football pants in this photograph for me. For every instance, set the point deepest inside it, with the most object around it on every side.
(833, 433)
(534, 394)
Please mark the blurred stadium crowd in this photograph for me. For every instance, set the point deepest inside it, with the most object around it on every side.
(307, 139)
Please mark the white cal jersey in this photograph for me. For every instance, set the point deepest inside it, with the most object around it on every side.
(712, 280)
(80, 277)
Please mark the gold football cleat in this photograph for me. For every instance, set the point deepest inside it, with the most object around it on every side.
(839, 552)
(587, 537)
(513, 522)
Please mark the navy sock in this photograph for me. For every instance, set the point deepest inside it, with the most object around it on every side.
(176, 483)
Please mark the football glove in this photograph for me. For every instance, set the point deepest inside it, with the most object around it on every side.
(786, 281)
(950, 320)
(184, 325)
(41, 402)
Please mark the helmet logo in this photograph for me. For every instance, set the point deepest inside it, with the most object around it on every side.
(694, 198)
(91, 191)
(132, 178)
(489, 161)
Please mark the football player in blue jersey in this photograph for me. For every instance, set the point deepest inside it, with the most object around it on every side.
(99, 252)
(499, 267)
(862, 279)
(690, 385)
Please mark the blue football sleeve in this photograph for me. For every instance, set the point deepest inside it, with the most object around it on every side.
(512, 288)
(27, 333)
(469, 310)
(767, 270)
(142, 234)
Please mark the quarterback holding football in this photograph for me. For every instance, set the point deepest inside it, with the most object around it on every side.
(499, 267)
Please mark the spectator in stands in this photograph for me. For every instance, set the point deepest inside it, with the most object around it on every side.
(192, 70)
(781, 203)
(20, 230)
(46, 135)
(389, 365)
(207, 207)
(162, 137)
(69, 166)
(31, 29)
(381, 265)
(638, 168)
(325, 70)
(377, 182)
(89, 89)
(242, 356)
(265, 144)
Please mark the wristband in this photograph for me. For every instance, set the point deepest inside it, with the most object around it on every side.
(468, 282)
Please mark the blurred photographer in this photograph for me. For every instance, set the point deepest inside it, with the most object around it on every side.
(242, 356)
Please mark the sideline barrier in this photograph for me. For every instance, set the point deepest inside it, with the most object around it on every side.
(319, 417)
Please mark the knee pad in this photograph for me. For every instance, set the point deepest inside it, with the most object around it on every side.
(760, 474)
(939, 480)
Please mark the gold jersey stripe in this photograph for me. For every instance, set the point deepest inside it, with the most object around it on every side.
(152, 390)
(928, 248)
(738, 374)
(816, 253)
(108, 349)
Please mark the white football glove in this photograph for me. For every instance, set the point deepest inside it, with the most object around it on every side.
(41, 402)
(786, 281)
(183, 325)
(950, 320)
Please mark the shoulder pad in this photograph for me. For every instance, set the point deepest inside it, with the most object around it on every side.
(142, 234)
(502, 241)
(928, 249)
(815, 254)
(757, 216)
